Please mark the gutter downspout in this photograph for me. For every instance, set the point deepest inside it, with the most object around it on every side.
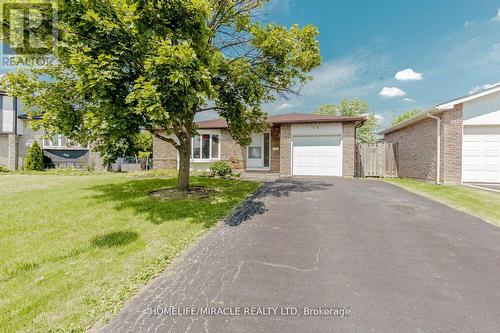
(438, 145)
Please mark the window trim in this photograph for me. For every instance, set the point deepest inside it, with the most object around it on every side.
(210, 159)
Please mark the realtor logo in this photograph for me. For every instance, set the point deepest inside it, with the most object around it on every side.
(27, 32)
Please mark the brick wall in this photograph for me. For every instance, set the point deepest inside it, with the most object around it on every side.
(451, 145)
(416, 151)
(275, 148)
(13, 152)
(417, 146)
(285, 152)
(348, 149)
(232, 152)
(164, 154)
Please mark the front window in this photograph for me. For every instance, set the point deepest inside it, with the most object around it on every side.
(205, 146)
(254, 152)
(196, 147)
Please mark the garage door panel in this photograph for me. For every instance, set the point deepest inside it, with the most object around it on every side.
(317, 156)
(481, 154)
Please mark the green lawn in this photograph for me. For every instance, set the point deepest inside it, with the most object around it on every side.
(73, 248)
(483, 204)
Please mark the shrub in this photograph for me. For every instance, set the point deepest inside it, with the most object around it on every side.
(221, 169)
(3, 169)
(34, 158)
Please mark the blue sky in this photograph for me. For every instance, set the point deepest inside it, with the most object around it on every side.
(451, 47)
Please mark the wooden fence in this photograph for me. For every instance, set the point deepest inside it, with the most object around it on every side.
(376, 160)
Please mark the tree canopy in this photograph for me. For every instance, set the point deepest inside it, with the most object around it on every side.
(128, 65)
(405, 116)
(350, 108)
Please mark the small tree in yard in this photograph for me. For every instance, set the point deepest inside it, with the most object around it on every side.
(34, 158)
(129, 65)
(350, 108)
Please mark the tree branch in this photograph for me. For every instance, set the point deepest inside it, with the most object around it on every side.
(212, 108)
(164, 138)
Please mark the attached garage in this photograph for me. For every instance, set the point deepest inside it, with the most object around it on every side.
(481, 154)
(452, 143)
(317, 149)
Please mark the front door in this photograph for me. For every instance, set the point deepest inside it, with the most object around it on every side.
(258, 152)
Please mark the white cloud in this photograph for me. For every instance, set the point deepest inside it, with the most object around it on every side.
(391, 92)
(467, 23)
(332, 76)
(409, 100)
(408, 75)
(284, 106)
(379, 117)
(497, 17)
(483, 87)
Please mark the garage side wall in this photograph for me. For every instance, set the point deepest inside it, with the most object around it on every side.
(451, 145)
(416, 153)
(348, 149)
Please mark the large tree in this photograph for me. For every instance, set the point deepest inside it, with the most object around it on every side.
(127, 65)
(351, 108)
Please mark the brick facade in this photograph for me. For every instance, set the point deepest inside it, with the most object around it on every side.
(164, 154)
(416, 150)
(348, 149)
(9, 151)
(451, 145)
(285, 150)
(275, 149)
(232, 152)
(13, 151)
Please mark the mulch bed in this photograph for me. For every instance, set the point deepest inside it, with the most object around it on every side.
(199, 192)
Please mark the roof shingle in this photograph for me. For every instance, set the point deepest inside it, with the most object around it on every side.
(288, 118)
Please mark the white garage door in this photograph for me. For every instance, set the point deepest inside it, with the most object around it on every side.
(481, 154)
(317, 156)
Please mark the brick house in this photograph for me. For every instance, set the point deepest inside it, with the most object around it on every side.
(296, 144)
(16, 137)
(465, 131)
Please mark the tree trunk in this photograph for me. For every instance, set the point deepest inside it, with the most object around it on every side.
(184, 165)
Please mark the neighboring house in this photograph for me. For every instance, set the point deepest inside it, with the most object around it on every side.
(468, 141)
(16, 137)
(296, 144)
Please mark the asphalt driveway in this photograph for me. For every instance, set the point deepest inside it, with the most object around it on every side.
(392, 261)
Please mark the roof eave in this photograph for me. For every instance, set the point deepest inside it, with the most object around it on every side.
(411, 121)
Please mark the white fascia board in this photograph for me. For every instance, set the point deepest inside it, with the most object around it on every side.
(451, 104)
